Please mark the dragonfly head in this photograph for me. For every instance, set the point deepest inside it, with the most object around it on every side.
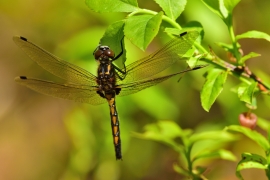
(103, 52)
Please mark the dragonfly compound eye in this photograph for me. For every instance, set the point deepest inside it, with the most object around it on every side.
(98, 53)
(109, 53)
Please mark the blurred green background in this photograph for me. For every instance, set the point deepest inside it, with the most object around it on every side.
(43, 137)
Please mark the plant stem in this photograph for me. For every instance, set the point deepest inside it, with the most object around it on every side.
(234, 43)
(190, 162)
(165, 18)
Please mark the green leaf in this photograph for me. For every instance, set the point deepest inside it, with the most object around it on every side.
(248, 56)
(254, 34)
(253, 104)
(253, 135)
(223, 8)
(172, 8)
(220, 154)
(112, 37)
(163, 131)
(245, 93)
(227, 47)
(213, 6)
(112, 5)
(250, 160)
(264, 124)
(211, 135)
(142, 29)
(212, 87)
(180, 170)
(192, 61)
(230, 4)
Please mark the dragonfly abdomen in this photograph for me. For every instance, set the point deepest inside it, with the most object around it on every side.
(115, 128)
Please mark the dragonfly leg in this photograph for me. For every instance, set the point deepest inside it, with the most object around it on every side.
(101, 94)
(122, 50)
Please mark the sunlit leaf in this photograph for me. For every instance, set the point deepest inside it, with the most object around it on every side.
(250, 160)
(245, 93)
(212, 87)
(213, 6)
(223, 8)
(163, 131)
(264, 124)
(167, 129)
(112, 5)
(192, 62)
(211, 135)
(253, 104)
(248, 56)
(142, 29)
(254, 34)
(172, 8)
(227, 47)
(253, 135)
(180, 170)
(230, 4)
(220, 154)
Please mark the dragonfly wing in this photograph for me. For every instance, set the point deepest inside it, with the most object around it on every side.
(162, 58)
(79, 93)
(134, 87)
(55, 65)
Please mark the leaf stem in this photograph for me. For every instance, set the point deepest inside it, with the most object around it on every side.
(189, 161)
(234, 43)
(165, 18)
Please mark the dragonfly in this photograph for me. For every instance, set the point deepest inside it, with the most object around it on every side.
(110, 81)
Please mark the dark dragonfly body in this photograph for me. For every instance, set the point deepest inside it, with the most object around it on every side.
(106, 81)
(111, 81)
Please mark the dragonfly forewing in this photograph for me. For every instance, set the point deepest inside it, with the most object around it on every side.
(162, 58)
(55, 65)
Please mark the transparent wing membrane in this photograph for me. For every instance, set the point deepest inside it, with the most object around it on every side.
(81, 85)
(78, 93)
(134, 87)
(162, 58)
(55, 65)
